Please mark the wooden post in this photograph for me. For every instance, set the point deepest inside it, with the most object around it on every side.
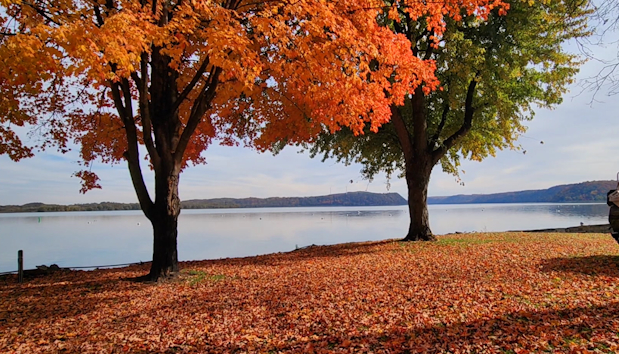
(20, 266)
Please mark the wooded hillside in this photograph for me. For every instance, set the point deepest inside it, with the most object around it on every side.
(594, 191)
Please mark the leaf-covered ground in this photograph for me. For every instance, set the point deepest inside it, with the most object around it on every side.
(471, 293)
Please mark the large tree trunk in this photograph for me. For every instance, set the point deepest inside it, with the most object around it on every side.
(165, 137)
(419, 160)
(165, 255)
(165, 221)
(417, 179)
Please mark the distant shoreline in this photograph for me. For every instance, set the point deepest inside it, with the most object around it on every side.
(353, 199)
(585, 192)
(110, 206)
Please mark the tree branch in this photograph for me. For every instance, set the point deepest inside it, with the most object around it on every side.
(425, 32)
(235, 4)
(469, 110)
(429, 49)
(126, 89)
(132, 155)
(402, 133)
(118, 102)
(420, 124)
(190, 86)
(42, 13)
(100, 20)
(441, 125)
(200, 106)
(416, 45)
(144, 103)
(137, 79)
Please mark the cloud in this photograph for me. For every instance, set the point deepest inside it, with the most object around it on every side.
(239, 173)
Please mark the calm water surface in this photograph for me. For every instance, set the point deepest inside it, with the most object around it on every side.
(74, 239)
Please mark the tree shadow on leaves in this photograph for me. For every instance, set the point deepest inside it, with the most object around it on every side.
(601, 265)
(569, 330)
(61, 294)
(338, 250)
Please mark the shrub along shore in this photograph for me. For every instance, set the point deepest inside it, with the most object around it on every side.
(481, 292)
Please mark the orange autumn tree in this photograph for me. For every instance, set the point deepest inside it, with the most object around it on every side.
(164, 79)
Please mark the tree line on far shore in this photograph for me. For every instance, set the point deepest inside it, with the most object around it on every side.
(585, 192)
(341, 199)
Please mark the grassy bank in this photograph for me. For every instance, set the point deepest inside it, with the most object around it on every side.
(470, 293)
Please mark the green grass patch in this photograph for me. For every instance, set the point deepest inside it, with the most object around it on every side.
(200, 276)
(463, 241)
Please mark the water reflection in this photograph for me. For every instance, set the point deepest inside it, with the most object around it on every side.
(100, 238)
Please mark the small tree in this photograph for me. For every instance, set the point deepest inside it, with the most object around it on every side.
(491, 73)
(172, 75)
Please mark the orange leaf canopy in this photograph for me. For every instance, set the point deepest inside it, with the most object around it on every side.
(289, 69)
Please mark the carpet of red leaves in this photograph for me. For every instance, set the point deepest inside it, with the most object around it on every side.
(470, 293)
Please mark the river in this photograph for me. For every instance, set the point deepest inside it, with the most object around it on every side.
(83, 239)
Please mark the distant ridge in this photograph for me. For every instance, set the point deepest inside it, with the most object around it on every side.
(342, 199)
(585, 192)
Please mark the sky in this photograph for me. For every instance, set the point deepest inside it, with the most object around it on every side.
(580, 143)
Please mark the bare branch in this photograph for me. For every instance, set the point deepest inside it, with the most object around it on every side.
(200, 106)
(100, 20)
(145, 111)
(441, 125)
(402, 132)
(126, 89)
(118, 102)
(132, 155)
(190, 86)
(469, 111)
